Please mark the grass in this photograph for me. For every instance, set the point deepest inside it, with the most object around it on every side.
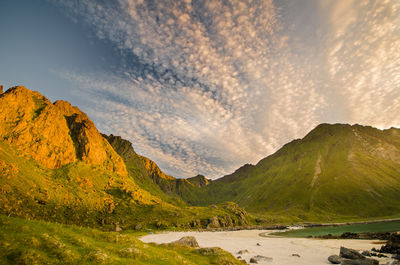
(37, 242)
(338, 230)
(94, 197)
(355, 181)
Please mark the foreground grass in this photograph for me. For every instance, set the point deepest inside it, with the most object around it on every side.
(36, 242)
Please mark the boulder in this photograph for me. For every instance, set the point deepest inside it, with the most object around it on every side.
(187, 241)
(213, 222)
(366, 253)
(262, 258)
(349, 253)
(209, 251)
(243, 251)
(334, 259)
(359, 262)
(392, 245)
(253, 260)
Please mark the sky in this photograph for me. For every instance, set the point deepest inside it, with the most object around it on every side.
(203, 87)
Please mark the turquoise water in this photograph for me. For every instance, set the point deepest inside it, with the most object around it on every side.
(338, 230)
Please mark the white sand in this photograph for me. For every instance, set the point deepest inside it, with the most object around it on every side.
(311, 251)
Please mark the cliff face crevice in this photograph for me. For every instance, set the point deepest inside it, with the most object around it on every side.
(53, 134)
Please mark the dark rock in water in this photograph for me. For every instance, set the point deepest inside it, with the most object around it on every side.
(349, 235)
(396, 262)
(296, 255)
(397, 256)
(374, 249)
(258, 244)
(334, 259)
(349, 253)
(360, 262)
(241, 252)
(187, 241)
(392, 245)
(381, 255)
(366, 253)
(253, 260)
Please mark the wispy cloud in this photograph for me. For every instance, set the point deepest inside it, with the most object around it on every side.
(207, 86)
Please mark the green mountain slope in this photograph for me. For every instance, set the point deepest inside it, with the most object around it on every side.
(56, 166)
(335, 172)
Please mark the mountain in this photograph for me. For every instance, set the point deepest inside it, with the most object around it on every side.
(336, 172)
(199, 181)
(56, 166)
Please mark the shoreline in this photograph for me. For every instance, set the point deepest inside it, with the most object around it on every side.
(279, 250)
(278, 226)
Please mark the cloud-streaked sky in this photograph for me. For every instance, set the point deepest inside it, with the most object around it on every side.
(207, 86)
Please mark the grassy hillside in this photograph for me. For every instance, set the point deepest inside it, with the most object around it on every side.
(34, 242)
(56, 166)
(336, 172)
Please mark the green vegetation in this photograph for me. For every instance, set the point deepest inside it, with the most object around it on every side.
(92, 196)
(336, 173)
(37, 242)
(338, 230)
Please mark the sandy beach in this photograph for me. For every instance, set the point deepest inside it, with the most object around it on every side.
(311, 251)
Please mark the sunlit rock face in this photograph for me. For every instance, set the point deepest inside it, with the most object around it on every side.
(53, 134)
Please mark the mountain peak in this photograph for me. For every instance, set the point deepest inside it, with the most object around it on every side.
(53, 134)
(199, 181)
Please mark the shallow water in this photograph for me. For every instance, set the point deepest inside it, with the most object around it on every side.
(338, 230)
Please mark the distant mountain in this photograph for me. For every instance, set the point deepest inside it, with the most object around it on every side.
(336, 172)
(199, 181)
(56, 166)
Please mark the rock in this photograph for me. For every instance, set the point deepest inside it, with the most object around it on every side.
(117, 228)
(241, 252)
(187, 241)
(253, 260)
(213, 222)
(396, 262)
(262, 258)
(296, 255)
(258, 244)
(334, 259)
(396, 256)
(208, 251)
(366, 253)
(360, 262)
(392, 245)
(350, 253)
(54, 134)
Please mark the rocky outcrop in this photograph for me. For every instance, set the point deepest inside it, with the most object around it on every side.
(187, 241)
(348, 253)
(392, 245)
(334, 259)
(199, 181)
(53, 134)
(351, 257)
(154, 171)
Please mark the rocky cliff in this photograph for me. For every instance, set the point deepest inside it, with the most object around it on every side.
(53, 134)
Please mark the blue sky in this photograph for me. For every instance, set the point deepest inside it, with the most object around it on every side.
(207, 86)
